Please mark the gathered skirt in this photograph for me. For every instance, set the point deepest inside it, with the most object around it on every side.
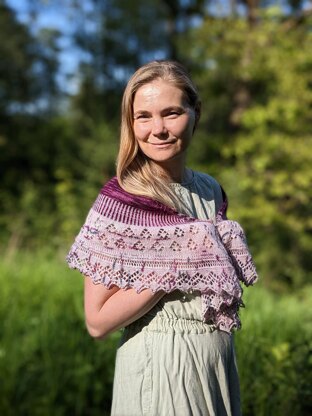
(170, 363)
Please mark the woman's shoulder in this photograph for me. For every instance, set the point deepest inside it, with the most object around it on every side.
(205, 178)
(207, 184)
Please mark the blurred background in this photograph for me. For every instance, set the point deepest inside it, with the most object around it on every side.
(63, 67)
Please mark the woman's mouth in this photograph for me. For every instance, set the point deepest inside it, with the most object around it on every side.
(162, 144)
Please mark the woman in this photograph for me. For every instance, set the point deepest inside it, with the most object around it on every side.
(168, 261)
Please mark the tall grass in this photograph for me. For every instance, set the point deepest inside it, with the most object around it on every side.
(274, 353)
(48, 363)
(50, 366)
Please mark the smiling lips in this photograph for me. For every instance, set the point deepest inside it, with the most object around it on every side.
(162, 144)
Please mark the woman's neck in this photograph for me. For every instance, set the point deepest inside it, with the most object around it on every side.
(169, 171)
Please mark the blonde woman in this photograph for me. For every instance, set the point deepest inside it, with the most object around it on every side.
(161, 260)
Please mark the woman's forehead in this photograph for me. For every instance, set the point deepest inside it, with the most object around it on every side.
(157, 92)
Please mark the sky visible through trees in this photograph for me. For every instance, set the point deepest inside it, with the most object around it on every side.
(41, 14)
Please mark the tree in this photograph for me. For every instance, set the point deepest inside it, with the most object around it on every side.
(255, 132)
(27, 85)
(123, 36)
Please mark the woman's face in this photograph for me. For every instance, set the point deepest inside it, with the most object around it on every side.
(163, 123)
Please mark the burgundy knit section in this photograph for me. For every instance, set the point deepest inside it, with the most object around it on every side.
(127, 214)
(121, 206)
(114, 190)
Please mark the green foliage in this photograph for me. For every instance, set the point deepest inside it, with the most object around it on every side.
(28, 65)
(16, 81)
(274, 353)
(255, 81)
(52, 367)
(49, 185)
(255, 134)
(49, 363)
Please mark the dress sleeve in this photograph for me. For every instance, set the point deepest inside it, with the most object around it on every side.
(217, 192)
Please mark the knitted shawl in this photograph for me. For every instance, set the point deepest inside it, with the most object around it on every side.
(135, 242)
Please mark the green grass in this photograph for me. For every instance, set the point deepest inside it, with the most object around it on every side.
(50, 366)
(48, 363)
(274, 353)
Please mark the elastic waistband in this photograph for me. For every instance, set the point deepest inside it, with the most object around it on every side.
(170, 325)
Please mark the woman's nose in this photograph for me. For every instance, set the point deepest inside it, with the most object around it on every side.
(158, 127)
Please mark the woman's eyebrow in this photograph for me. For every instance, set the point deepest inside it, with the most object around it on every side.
(173, 107)
(170, 107)
(163, 111)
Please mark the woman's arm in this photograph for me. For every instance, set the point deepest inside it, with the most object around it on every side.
(107, 310)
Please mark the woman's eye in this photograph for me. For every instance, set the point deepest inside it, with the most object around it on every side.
(173, 114)
(141, 117)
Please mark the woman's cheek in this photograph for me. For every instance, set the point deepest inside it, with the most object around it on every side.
(141, 130)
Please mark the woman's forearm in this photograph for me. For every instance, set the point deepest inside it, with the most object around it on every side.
(117, 310)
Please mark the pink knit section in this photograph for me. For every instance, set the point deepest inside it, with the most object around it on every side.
(134, 248)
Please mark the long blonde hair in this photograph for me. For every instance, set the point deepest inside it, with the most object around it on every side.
(134, 171)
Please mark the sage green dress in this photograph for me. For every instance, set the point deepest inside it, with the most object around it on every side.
(169, 362)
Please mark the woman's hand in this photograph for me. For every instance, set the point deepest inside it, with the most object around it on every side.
(107, 310)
